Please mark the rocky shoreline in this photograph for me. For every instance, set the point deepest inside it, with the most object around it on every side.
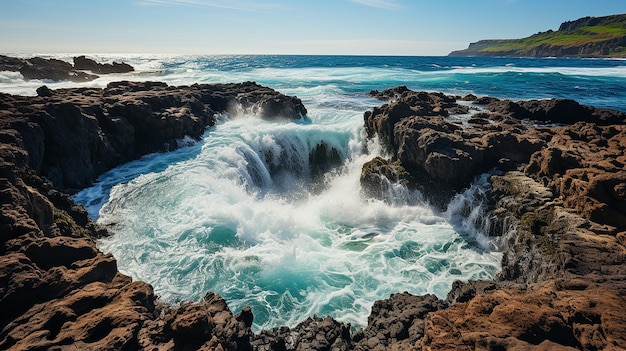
(59, 70)
(557, 205)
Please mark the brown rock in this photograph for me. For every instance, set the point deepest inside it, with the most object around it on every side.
(560, 222)
(585, 165)
(553, 315)
(562, 285)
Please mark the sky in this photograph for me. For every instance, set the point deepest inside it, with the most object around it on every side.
(324, 27)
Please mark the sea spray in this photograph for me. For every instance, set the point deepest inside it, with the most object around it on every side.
(468, 213)
(239, 214)
(225, 214)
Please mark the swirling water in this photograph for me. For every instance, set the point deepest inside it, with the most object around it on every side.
(243, 213)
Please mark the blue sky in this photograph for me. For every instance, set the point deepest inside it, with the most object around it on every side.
(368, 27)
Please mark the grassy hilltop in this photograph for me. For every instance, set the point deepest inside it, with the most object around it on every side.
(585, 37)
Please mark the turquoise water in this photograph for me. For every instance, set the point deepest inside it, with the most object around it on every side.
(243, 213)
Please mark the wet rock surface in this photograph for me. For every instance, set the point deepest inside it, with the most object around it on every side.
(556, 210)
(73, 135)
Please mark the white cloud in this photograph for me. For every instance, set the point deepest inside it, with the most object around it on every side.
(383, 4)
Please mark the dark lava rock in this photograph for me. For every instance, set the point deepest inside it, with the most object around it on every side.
(84, 63)
(76, 134)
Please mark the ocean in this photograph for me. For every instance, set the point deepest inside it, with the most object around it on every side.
(242, 213)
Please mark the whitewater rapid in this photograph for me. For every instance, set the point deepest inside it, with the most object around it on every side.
(242, 213)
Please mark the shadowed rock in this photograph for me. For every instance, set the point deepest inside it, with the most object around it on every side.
(84, 63)
(40, 68)
(57, 291)
(58, 70)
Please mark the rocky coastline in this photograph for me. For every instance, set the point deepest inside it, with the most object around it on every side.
(556, 205)
(59, 70)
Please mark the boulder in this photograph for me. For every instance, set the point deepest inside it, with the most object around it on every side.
(397, 322)
(314, 333)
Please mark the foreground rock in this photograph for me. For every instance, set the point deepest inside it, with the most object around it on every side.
(556, 204)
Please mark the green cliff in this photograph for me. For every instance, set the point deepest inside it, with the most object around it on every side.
(585, 37)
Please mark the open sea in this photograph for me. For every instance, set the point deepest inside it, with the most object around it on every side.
(241, 213)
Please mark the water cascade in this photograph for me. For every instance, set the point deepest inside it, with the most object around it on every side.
(271, 215)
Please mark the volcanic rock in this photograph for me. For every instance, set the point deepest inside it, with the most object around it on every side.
(443, 154)
(556, 210)
(397, 322)
(58, 70)
(41, 68)
(314, 333)
(73, 135)
(561, 314)
(57, 290)
(84, 63)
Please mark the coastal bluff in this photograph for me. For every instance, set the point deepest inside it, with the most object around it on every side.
(556, 206)
(585, 37)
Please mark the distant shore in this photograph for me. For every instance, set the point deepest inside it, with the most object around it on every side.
(588, 37)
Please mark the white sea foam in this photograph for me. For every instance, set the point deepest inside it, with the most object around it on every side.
(239, 218)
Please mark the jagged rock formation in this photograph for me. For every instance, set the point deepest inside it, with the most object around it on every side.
(85, 63)
(585, 37)
(58, 70)
(557, 205)
(73, 135)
